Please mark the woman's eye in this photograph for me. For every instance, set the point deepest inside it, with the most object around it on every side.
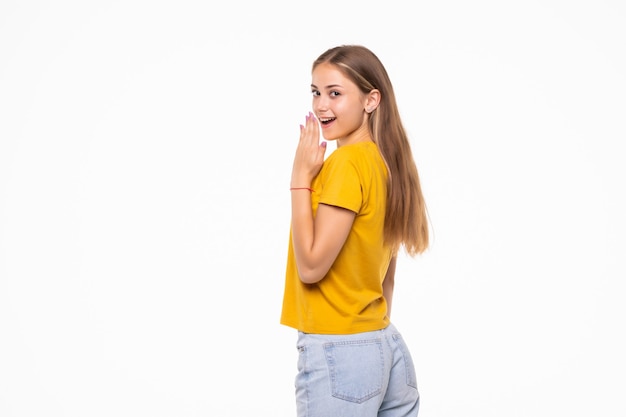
(315, 92)
(334, 93)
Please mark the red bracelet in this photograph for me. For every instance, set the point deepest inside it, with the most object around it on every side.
(301, 188)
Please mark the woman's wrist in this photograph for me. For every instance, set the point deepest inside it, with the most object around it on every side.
(300, 182)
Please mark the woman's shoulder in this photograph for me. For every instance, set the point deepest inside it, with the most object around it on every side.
(355, 151)
(362, 158)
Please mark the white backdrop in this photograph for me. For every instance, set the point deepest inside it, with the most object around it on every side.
(145, 155)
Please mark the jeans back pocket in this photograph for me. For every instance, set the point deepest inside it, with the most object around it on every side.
(411, 378)
(356, 369)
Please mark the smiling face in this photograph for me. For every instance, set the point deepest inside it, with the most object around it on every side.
(339, 105)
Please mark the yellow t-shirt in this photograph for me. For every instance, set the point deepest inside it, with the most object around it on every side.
(349, 299)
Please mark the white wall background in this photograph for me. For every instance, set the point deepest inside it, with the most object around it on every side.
(145, 154)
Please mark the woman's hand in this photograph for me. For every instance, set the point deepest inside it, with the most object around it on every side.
(309, 154)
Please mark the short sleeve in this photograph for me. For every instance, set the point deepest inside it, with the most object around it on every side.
(341, 182)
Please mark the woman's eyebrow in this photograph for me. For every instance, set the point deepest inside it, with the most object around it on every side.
(328, 86)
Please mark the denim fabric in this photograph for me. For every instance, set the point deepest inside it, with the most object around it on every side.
(367, 374)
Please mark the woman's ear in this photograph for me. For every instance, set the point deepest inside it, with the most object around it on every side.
(372, 101)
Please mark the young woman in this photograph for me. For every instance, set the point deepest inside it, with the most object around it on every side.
(350, 216)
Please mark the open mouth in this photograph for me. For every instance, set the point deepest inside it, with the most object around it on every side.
(326, 120)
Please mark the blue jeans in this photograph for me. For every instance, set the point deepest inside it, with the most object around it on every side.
(367, 374)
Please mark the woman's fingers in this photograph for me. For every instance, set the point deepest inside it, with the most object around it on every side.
(309, 153)
(312, 139)
(307, 133)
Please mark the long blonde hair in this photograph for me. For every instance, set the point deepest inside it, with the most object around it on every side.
(406, 222)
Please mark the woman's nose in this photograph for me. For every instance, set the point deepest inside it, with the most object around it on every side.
(320, 105)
